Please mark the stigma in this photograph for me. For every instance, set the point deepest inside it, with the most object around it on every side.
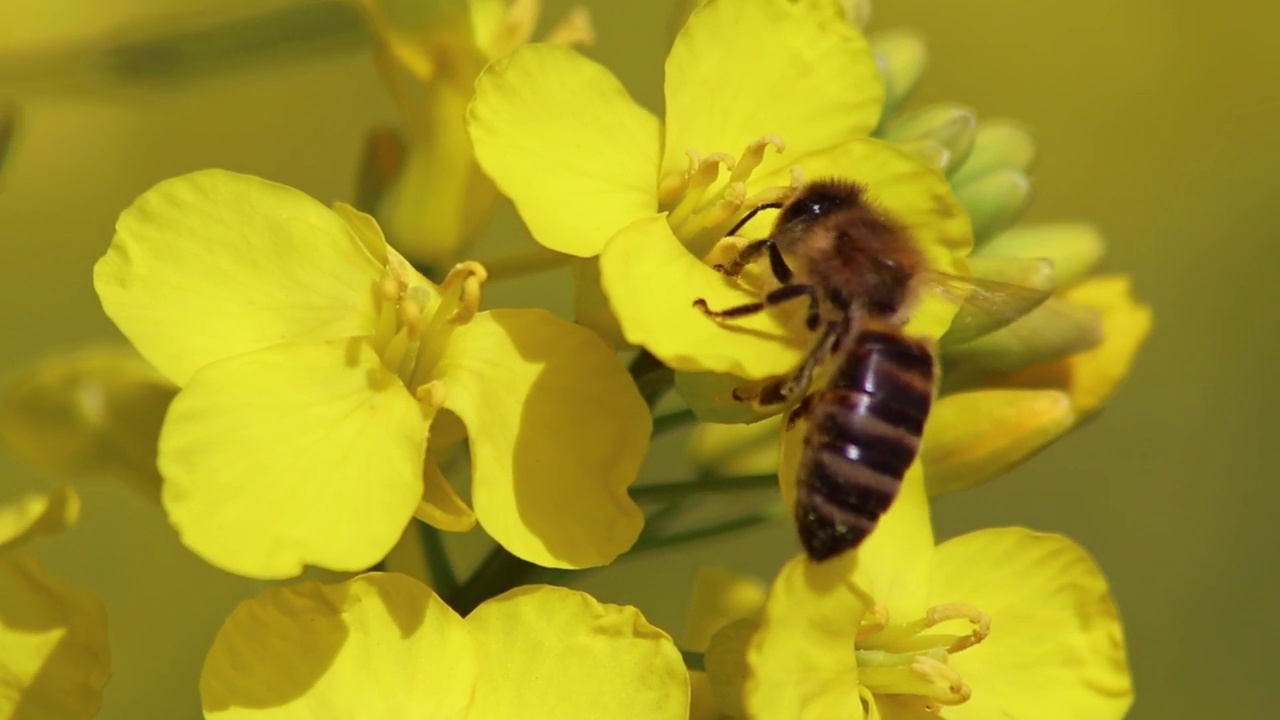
(700, 216)
(913, 658)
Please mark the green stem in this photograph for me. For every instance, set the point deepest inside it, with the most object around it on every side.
(657, 492)
(768, 515)
(499, 572)
(672, 421)
(694, 660)
(443, 579)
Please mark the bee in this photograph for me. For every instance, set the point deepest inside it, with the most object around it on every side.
(862, 274)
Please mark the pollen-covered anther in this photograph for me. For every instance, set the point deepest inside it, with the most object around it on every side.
(876, 619)
(960, 611)
(754, 155)
(950, 687)
(459, 303)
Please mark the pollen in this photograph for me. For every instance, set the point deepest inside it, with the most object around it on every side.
(912, 658)
(702, 205)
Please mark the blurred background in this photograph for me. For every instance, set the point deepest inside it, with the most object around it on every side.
(1155, 118)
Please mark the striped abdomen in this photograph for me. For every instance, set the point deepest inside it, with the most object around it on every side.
(864, 432)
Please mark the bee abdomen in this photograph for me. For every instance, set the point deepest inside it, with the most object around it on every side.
(864, 433)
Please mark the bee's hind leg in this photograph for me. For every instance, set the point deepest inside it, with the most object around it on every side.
(775, 297)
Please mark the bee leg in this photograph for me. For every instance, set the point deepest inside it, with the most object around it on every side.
(801, 410)
(800, 379)
(748, 254)
(775, 297)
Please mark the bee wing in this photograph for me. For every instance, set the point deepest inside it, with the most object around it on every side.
(998, 294)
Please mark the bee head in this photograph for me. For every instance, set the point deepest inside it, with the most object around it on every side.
(816, 200)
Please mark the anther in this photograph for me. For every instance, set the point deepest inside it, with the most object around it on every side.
(938, 672)
(876, 619)
(754, 155)
(960, 611)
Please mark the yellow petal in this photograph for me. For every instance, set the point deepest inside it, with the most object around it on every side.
(974, 436)
(1092, 376)
(1056, 649)
(726, 663)
(213, 264)
(652, 281)
(555, 653)
(557, 432)
(440, 506)
(92, 411)
(35, 516)
(813, 82)
(376, 647)
(801, 660)
(893, 562)
(737, 449)
(297, 454)
(561, 137)
(590, 306)
(54, 659)
(720, 597)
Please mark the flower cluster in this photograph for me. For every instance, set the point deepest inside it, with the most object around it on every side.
(328, 401)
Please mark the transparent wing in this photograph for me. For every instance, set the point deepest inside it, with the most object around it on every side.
(998, 294)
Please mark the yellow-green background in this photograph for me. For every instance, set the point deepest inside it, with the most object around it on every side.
(1157, 119)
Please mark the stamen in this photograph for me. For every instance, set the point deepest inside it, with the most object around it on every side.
(960, 611)
(876, 619)
(702, 173)
(754, 155)
(387, 293)
(573, 30)
(459, 302)
(904, 659)
(938, 672)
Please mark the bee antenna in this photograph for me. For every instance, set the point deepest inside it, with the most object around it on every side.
(750, 214)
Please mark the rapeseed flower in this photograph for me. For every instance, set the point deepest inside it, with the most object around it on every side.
(996, 623)
(426, 190)
(54, 659)
(1011, 392)
(646, 203)
(313, 361)
(385, 646)
(96, 410)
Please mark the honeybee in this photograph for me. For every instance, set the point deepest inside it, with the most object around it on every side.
(862, 275)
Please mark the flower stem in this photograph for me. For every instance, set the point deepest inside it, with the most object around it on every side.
(672, 421)
(528, 262)
(694, 660)
(443, 578)
(774, 512)
(499, 572)
(657, 492)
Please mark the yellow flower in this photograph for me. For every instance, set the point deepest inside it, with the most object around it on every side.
(96, 410)
(54, 659)
(594, 174)
(385, 646)
(313, 360)
(435, 199)
(997, 623)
